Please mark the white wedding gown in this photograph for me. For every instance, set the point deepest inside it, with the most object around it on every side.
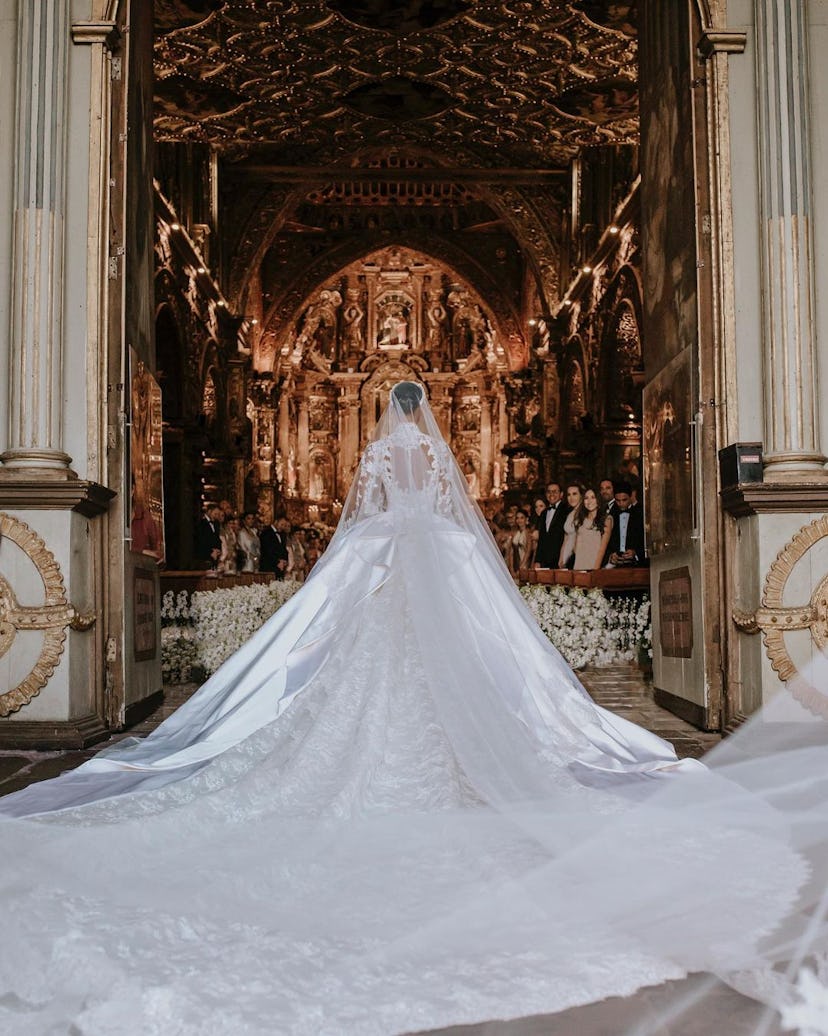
(394, 809)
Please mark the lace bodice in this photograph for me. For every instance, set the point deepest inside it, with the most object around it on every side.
(407, 473)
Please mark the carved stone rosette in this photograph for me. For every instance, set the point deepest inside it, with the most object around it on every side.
(773, 619)
(52, 616)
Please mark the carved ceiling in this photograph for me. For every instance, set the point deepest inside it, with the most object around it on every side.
(494, 83)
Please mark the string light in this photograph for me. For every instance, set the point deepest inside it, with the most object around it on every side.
(202, 269)
(613, 228)
(586, 269)
(175, 226)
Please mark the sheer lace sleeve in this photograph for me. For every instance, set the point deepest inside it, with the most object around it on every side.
(445, 499)
(369, 492)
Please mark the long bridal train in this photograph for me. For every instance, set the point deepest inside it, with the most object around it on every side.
(396, 808)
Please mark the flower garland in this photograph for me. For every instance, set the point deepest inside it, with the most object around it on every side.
(202, 630)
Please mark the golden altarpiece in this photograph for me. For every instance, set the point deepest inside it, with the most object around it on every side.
(396, 314)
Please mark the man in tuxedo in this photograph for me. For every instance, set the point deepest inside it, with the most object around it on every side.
(626, 542)
(208, 538)
(551, 528)
(274, 542)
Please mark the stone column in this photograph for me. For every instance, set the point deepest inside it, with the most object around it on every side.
(348, 442)
(792, 449)
(37, 283)
(486, 457)
(303, 446)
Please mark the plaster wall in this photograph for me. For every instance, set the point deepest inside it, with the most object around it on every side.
(745, 207)
(8, 71)
(818, 32)
(70, 693)
(77, 437)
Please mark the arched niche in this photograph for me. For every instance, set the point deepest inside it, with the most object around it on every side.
(390, 300)
(170, 364)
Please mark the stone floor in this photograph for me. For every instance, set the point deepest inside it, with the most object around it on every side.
(619, 688)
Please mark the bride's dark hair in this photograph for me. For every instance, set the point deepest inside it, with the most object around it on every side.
(408, 395)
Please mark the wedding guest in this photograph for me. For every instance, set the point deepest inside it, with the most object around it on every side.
(296, 555)
(228, 560)
(551, 529)
(539, 506)
(274, 542)
(313, 550)
(520, 552)
(626, 544)
(249, 543)
(208, 538)
(606, 488)
(593, 528)
(536, 523)
(574, 496)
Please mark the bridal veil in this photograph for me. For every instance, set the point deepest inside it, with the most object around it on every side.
(396, 808)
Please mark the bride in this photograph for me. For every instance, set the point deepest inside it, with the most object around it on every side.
(395, 808)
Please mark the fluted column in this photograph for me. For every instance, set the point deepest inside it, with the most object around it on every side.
(792, 448)
(36, 362)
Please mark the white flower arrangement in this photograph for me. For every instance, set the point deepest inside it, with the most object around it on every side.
(202, 630)
(589, 628)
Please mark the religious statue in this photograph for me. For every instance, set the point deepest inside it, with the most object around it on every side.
(394, 328)
(352, 316)
(318, 483)
(436, 317)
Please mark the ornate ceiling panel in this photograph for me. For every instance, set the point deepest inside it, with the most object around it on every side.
(515, 83)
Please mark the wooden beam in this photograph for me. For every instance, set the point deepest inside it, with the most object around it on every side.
(431, 174)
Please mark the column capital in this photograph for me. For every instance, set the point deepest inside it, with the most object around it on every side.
(722, 41)
(102, 33)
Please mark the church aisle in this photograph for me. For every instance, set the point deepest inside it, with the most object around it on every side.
(621, 689)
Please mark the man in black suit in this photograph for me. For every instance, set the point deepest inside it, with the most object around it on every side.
(274, 540)
(208, 538)
(551, 528)
(626, 542)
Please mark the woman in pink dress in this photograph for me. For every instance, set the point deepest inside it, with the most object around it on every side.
(593, 527)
